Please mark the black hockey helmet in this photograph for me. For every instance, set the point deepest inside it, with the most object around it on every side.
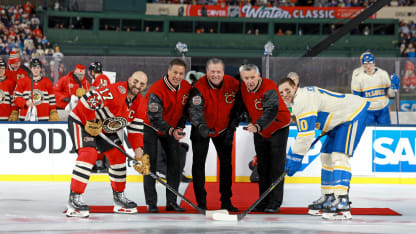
(97, 67)
(35, 63)
(2, 63)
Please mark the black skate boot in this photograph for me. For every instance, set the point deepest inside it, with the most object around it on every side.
(316, 207)
(122, 204)
(338, 209)
(76, 206)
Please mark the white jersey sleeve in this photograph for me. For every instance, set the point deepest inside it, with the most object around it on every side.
(317, 108)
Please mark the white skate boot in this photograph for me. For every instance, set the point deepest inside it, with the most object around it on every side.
(316, 207)
(76, 206)
(338, 209)
(122, 204)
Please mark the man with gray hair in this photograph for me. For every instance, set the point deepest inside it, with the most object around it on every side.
(270, 127)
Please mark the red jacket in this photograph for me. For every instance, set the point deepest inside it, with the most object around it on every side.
(211, 105)
(66, 87)
(16, 75)
(6, 97)
(265, 107)
(43, 97)
(166, 105)
(110, 105)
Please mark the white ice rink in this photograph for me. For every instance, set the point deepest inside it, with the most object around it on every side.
(37, 207)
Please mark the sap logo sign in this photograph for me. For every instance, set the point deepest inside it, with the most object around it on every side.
(394, 151)
(311, 155)
(408, 105)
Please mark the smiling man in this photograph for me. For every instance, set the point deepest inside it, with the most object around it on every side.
(214, 107)
(165, 120)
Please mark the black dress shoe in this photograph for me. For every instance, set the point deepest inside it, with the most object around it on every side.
(258, 209)
(229, 207)
(272, 210)
(152, 209)
(185, 179)
(174, 207)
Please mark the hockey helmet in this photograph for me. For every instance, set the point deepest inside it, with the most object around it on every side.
(367, 58)
(35, 63)
(97, 67)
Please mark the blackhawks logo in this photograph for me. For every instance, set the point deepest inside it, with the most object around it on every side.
(94, 101)
(37, 96)
(112, 125)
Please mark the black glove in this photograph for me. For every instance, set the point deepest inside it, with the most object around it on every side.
(204, 130)
(67, 99)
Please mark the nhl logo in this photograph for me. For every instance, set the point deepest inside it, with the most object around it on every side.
(153, 107)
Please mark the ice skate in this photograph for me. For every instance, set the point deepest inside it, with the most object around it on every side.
(338, 209)
(122, 204)
(76, 206)
(316, 207)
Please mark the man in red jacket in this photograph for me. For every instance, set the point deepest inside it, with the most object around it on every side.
(270, 125)
(73, 84)
(165, 120)
(214, 114)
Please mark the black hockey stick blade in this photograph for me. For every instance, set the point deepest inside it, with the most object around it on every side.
(224, 217)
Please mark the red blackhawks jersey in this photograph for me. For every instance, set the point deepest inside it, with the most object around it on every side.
(43, 97)
(101, 81)
(212, 105)
(7, 86)
(16, 74)
(110, 105)
(265, 107)
(66, 87)
(166, 105)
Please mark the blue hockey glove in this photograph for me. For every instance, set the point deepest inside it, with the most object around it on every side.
(395, 82)
(293, 163)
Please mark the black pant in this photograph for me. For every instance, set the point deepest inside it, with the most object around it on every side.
(271, 158)
(171, 147)
(223, 145)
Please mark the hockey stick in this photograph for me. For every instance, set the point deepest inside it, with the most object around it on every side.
(238, 217)
(208, 213)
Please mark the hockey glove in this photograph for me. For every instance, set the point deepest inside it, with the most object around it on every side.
(143, 164)
(14, 115)
(293, 163)
(53, 115)
(80, 92)
(204, 130)
(395, 82)
(93, 127)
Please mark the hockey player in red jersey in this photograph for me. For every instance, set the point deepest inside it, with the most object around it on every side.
(73, 84)
(36, 93)
(96, 72)
(7, 86)
(106, 111)
(15, 71)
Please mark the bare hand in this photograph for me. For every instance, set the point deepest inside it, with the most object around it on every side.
(178, 133)
(251, 128)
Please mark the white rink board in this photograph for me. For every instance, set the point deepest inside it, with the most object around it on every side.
(45, 149)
